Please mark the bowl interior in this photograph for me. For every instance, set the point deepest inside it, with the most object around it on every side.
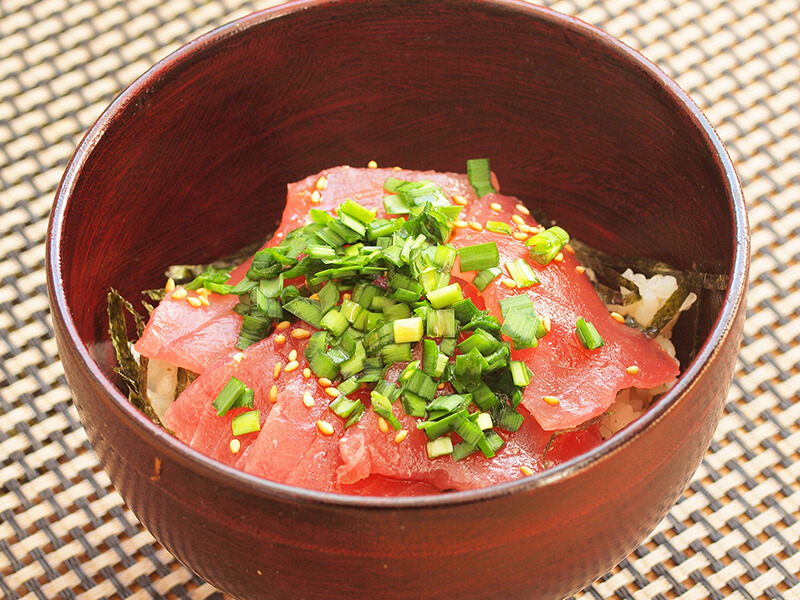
(191, 162)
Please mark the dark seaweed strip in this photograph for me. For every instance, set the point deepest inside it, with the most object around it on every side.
(129, 370)
(669, 309)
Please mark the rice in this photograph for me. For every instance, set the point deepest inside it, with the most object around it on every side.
(631, 403)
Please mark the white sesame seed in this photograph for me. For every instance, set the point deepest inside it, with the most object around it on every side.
(551, 400)
(316, 197)
(460, 200)
(401, 435)
(203, 300)
(308, 399)
(526, 470)
(547, 323)
(332, 391)
(238, 357)
(509, 283)
(617, 317)
(235, 446)
(282, 325)
(632, 370)
(519, 235)
(325, 428)
(322, 183)
(277, 370)
(523, 209)
(273, 394)
(280, 339)
(306, 372)
(517, 220)
(293, 355)
(194, 301)
(383, 425)
(179, 294)
(291, 366)
(459, 224)
(372, 165)
(475, 226)
(300, 334)
(496, 207)
(559, 257)
(325, 382)
(580, 269)
(170, 285)
(204, 292)
(569, 248)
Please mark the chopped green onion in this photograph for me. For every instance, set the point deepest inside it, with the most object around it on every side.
(383, 407)
(498, 227)
(521, 328)
(441, 446)
(479, 257)
(520, 373)
(587, 334)
(408, 330)
(446, 296)
(392, 353)
(335, 322)
(441, 323)
(484, 421)
(247, 422)
(546, 245)
(357, 211)
(305, 310)
(228, 395)
(522, 273)
(485, 277)
(480, 176)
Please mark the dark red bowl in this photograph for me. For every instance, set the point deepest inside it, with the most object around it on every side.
(191, 162)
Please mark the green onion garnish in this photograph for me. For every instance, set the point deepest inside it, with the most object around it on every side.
(587, 334)
(228, 396)
(479, 257)
(480, 176)
(446, 296)
(441, 446)
(546, 245)
(522, 273)
(247, 422)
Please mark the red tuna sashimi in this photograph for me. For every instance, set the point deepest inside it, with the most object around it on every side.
(584, 381)
(195, 421)
(367, 451)
(191, 337)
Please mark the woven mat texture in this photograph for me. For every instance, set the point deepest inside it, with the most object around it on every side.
(65, 532)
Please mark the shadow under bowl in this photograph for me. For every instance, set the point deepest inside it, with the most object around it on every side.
(191, 162)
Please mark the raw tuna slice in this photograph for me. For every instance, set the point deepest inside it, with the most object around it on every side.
(584, 381)
(195, 421)
(189, 336)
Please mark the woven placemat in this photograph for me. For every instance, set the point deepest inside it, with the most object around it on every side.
(64, 531)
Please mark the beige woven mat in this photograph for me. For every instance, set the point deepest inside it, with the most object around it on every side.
(65, 533)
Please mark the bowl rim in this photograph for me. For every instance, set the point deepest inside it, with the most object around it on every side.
(181, 453)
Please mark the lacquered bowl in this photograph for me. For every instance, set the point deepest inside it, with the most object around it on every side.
(191, 162)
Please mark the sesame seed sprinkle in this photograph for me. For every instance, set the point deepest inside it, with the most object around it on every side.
(300, 334)
(170, 285)
(273, 394)
(372, 165)
(518, 220)
(520, 235)
(547, 323)
(569, 248)
(308, 399)
(291, 366)
(559, 257)
(306, 372)
(460, 200)
(293, 355)
(475, 226)
(524, 228)
(325, 428)
(316, 197)
(509, 283)
(238, 357)
(496, 207)
(280, 339)
(346, 296)
(551, 400)
(204, 292)
(194, 301)
(460, 224)
(235, 446)
(401, 435)
(526, 470)
(282, 325)
(322, 183)
(580, 269)
(277, 370)
(203, 300)
(617, 317)
(383, 425)
(332, 391)
(523, 209)
(325, 382)
(632, 370)
(179, 294)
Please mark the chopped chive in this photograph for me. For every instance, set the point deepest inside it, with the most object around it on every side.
(408, 330)
(480, 176)
(498, 227)
(587, 334)
(335, 322)
(228, 396)
(520, 373)
(247, 422)
(441, 446)
(522, 273)
(446, 296)
(479, 257)
(546, 245)
(521, 329)
(485, 277)
(441, 323)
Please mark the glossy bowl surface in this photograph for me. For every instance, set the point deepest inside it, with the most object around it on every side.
(191, 163)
